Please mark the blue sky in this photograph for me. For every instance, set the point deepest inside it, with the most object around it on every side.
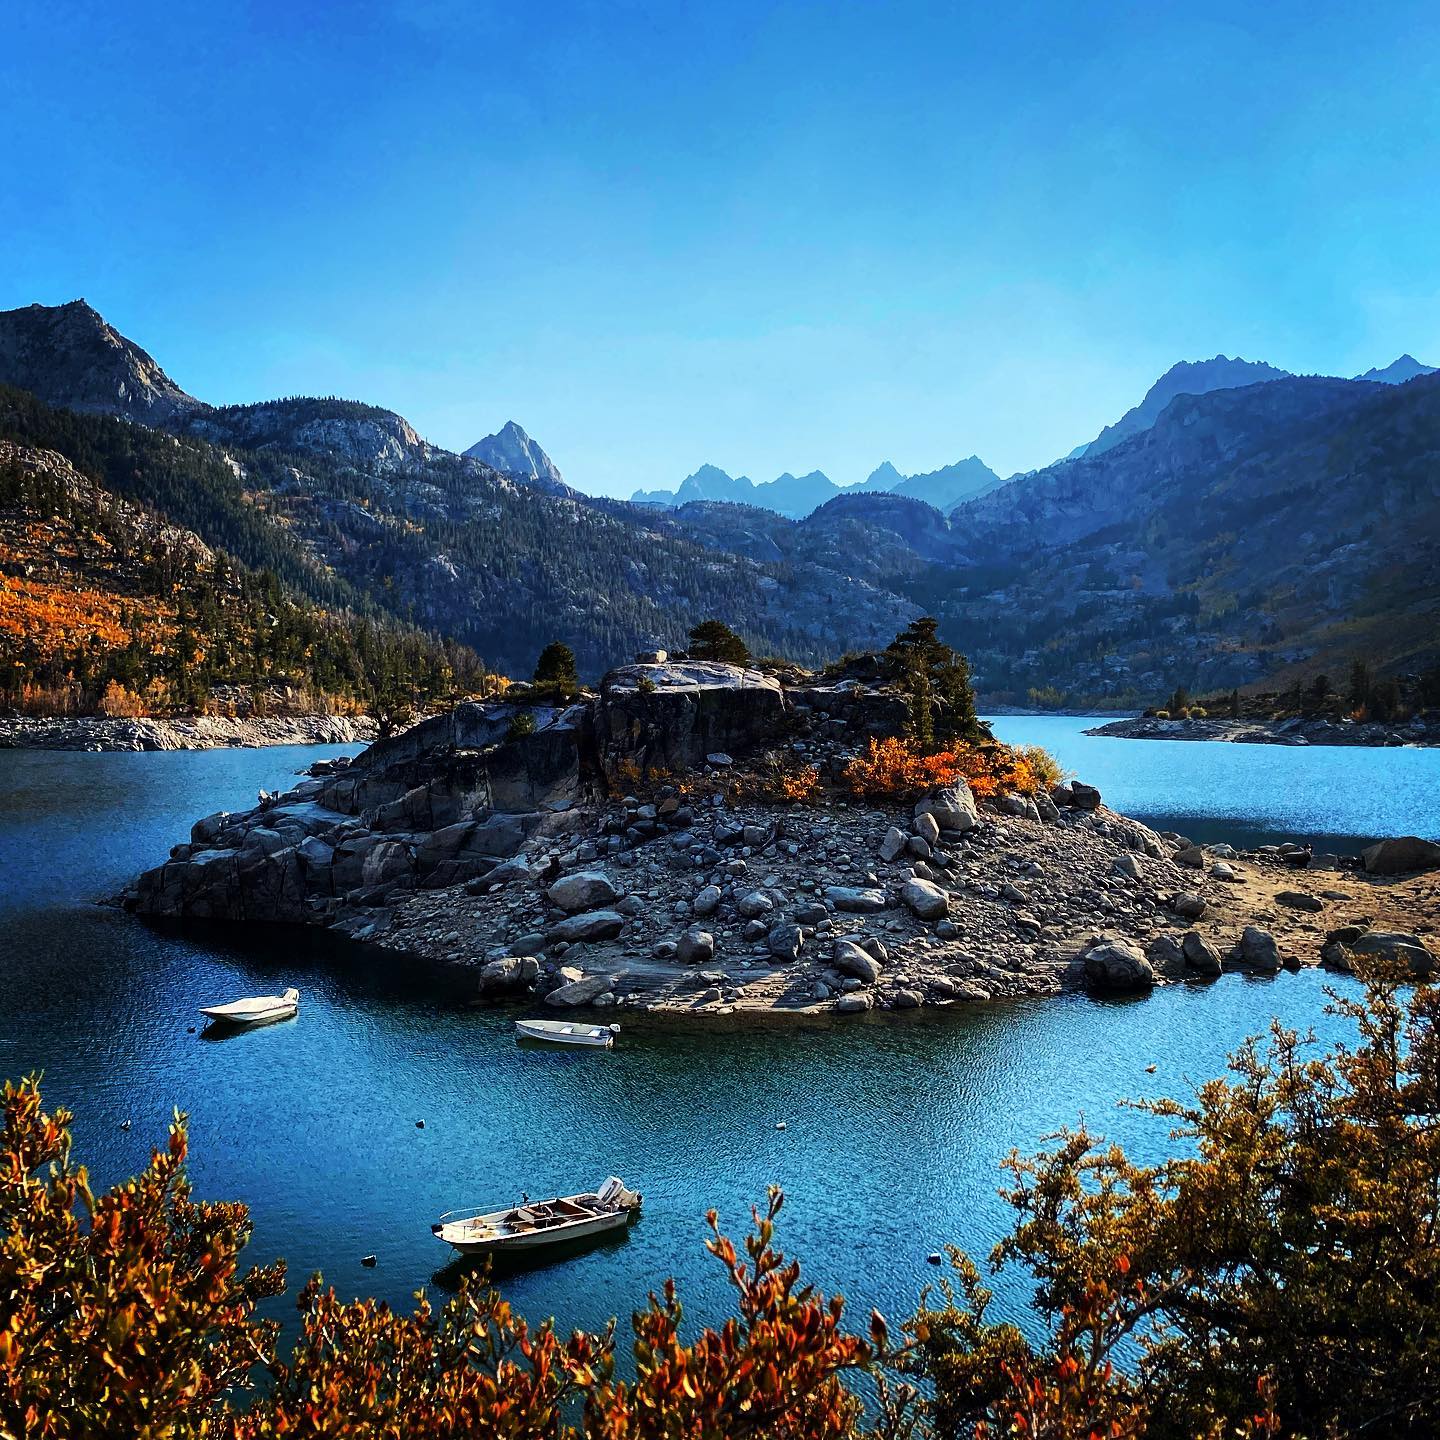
(769, 236)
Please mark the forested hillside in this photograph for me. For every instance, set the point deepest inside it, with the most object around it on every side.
(1254, 535)
(105, 606)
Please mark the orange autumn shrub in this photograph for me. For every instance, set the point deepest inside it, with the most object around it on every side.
(893, 768)
(771, 1372)
(118, 702)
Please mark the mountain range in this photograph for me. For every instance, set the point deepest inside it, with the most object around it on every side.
(1248, 527)
(350, 506)
(952, 485)
(799, 495)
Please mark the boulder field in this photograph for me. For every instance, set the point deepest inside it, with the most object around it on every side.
(632, 851)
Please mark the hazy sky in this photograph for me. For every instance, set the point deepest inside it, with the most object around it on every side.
(769, 236)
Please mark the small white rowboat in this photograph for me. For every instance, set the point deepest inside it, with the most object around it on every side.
(567, 1032)
(536, 1225)
(259, 1010)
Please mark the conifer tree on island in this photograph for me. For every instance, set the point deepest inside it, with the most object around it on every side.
(715, 640)
(555, 672)
(937, 680)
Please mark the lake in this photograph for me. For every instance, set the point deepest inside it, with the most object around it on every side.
(1337, 797)
(893, 1130)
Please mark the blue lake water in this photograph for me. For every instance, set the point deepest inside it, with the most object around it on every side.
(1338, 797)
(893, 1131)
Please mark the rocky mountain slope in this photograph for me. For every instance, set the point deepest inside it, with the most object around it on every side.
(105, 604)
(347, 502)
(68, 355)
(1189, 377)
(1280, 529)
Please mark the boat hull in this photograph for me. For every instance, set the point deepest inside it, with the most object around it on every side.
(556, 1033)
(556, 1238)
(247, 1019)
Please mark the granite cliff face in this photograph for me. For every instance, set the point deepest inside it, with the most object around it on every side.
(68, 355)
(362, 436)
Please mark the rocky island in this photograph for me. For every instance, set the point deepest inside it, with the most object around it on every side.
(684, 842)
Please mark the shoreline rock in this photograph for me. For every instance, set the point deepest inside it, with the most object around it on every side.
(1295, 731)
(198, 732)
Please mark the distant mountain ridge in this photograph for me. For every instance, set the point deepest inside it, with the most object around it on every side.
(1398, 372)
(796, 496)
(1189, 377)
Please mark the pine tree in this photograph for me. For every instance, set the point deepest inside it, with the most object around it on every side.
(937, 680)
(555, 672)
(715, 640)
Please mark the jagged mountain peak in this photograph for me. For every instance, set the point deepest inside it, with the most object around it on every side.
(511, 450)
(1186, 377)
(1397, 372)
(70, 355)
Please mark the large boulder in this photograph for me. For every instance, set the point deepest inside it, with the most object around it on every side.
(855, 899)
(926, 899)
(1084, 797)
(1166, 956)
(1258, 949)
(583, 890)
(1200, 955)
(850, 959)
(593, 925)
(580, 992)
(695, 947)
(953, 807)
(1392, 949)
(1118, 965)
(1402, 855)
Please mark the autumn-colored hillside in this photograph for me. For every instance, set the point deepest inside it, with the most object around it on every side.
(106, 607)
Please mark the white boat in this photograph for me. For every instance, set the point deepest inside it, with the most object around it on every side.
(538, 1224)
(258, 1010)
(567, 1032)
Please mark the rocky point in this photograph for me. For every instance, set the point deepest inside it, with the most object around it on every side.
(622, 852)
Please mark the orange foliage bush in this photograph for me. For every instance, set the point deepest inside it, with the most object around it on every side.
(55, 619)
(117, 702)
(892, 768)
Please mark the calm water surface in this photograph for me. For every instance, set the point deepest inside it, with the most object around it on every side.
(1338, 797)
(893, 1131)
